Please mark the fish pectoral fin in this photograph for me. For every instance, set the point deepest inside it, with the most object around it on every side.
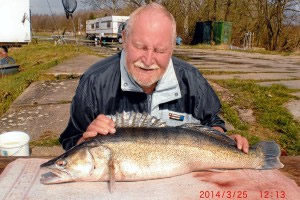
(112, 179)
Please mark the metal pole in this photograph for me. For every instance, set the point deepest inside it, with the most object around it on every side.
(74, 30)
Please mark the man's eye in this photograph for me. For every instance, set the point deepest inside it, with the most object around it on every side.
(159, 51)
(141, 47)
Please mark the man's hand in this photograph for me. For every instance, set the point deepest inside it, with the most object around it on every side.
(241, 142)
(101, 125)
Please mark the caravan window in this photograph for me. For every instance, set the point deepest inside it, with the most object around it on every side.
(92, 26)
(106, 24)
(97, 24)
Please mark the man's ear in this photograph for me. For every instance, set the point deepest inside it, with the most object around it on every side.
(124, 39)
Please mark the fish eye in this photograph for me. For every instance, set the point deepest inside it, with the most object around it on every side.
(61, 163)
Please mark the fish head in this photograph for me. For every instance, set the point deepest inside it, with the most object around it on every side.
(74, 165)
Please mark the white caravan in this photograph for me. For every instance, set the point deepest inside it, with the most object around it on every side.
(105, 28)
(14, 22)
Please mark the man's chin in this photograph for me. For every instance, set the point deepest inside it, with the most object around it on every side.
(145, 83)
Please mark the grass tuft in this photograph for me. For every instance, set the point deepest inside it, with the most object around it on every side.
(33, 59)
(48, 142)
(267, 104)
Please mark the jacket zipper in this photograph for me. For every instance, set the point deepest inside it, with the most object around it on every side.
(149, 98)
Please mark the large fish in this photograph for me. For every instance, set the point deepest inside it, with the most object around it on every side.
(144, 148)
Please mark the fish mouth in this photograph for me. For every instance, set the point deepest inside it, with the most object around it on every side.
(55, 176)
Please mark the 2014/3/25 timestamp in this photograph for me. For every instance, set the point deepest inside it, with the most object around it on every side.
(272, 194)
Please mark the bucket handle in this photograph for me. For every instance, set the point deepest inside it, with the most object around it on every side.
(20, 147)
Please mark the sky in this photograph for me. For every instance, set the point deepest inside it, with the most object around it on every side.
(41, 6)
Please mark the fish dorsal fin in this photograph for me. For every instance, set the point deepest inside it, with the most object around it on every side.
(134, 119)
(210, 132)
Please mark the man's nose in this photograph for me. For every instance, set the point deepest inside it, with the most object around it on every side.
(148, 57)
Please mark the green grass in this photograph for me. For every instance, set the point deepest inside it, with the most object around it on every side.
(226, 47)
(47, 139)
(48, 142)
(272, 119)
(241, 127)
(268, 52)
(205, 46)
(215, 72)
(34, 59)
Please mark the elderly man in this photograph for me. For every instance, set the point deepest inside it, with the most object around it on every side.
(144, 77)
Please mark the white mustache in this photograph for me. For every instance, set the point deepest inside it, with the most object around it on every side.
(140, 64)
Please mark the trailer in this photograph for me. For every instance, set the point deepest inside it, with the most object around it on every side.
(105, 28)
(15, 23)
(14, 31)
(90, 29)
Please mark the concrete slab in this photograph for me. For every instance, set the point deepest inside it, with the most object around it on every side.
(252, 68)
(74, 67)
(292, 84)
(36, 120)
(47, 151)
(260, 62)
(279, 59)
(297, 94)
(256, 76)
(47, 92)
(294, 108)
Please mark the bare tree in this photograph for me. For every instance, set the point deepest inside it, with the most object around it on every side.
(228, 4)
(109, 6)
(275, 23)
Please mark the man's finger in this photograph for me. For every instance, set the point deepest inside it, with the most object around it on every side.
(89, 134)
(86, 136)
(105, 119)
(106, 124)
(241, 142)
(238, 140)
(245, 146)
(101, 128)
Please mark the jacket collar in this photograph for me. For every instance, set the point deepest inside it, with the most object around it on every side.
(167, 89)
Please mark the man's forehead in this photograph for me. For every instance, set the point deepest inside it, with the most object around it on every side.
(151, 31)
(144, 42)
(150, 16)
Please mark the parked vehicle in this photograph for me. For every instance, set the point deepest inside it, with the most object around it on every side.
(105, 28)
(14, 31)
(15, 23)
(90, 29)
(120, 30)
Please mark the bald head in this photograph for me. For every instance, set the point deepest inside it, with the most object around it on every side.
(152, 11)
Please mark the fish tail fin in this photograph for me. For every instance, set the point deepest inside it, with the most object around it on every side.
(271, 152)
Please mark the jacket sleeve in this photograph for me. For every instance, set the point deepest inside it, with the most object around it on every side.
(209, 107)
(81, 115)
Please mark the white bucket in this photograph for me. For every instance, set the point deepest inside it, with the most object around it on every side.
(14, 143)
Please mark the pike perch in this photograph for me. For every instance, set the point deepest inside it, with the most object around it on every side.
(144, 148)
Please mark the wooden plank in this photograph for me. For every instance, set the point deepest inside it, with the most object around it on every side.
(5, 160)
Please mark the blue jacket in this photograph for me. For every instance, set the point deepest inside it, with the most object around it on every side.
(181, 96)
